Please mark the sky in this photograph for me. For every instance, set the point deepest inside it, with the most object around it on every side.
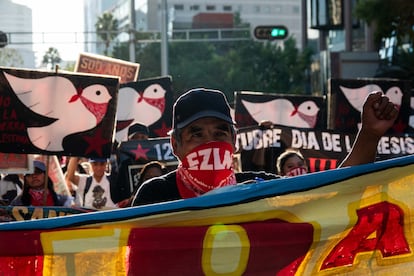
(62, 16)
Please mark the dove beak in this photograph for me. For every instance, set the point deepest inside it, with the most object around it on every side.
(140, 98)
(294, 111)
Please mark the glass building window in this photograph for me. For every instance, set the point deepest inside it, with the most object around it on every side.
(210, 7)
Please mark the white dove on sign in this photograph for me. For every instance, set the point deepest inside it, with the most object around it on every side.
(283, 112)
(57, 98)
(356, 96)
(145, 108)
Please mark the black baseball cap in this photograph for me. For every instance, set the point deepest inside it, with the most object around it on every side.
(200, 103)
(98, 160)
(138, 128)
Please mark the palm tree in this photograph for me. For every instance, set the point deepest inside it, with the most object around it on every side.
(51, 57)
(107, 29)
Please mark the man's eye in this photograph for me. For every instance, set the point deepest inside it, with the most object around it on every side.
(222, 133)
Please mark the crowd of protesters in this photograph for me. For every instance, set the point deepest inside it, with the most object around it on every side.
(201, 123)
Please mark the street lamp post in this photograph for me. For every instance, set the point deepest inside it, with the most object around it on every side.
(132, 30)
(164, 38)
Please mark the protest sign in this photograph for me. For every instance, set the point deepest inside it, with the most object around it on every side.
(103, 65)
(53, 113)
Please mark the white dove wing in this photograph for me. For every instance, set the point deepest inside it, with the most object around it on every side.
(145, 112)
(277, 111)
(356, 96)
(127, 99)
(42, 95)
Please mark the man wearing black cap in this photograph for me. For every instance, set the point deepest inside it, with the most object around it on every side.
(203, 139)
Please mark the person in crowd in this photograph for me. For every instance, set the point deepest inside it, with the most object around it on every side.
(259, 157)
(150, 170)
(203, 139)
(138, 132)
(291, 163)
(237, 167)
(83, 167)
(35, 186)
(94, 191)
(124, 183)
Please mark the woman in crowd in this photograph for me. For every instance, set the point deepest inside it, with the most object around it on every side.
(33, 193)
(291, 163)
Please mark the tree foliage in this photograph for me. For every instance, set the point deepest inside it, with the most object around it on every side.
(228, 66)
(391, 17)
(51, 58)
(107, 29)
(10, 57)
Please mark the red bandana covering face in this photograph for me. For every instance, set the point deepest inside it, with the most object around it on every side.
(296, 171)
(206, 167)
(37, 198)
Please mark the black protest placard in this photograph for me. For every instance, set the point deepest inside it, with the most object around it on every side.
(133, 155)
(56, 113)
(280, 109)
(347, 96)
(147, 102)
(322, 149)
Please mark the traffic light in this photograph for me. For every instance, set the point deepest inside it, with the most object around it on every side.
(271, 32)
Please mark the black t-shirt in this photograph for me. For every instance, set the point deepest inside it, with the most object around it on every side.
(164, 188)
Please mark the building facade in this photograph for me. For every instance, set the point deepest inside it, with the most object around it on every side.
(186, 14)
(16, 19)
(254, 12)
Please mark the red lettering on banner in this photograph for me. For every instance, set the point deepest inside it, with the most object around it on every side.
(379, 227)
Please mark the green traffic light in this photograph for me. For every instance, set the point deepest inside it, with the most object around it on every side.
(276, 32)
(271, 32)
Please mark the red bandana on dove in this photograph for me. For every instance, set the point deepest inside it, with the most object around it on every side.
(206, 167)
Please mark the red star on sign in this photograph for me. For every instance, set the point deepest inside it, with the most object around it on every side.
(95, 143)
(162, 131)
(399, 126)
(140, 152)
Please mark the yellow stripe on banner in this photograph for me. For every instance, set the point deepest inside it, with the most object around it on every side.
(85, 252)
